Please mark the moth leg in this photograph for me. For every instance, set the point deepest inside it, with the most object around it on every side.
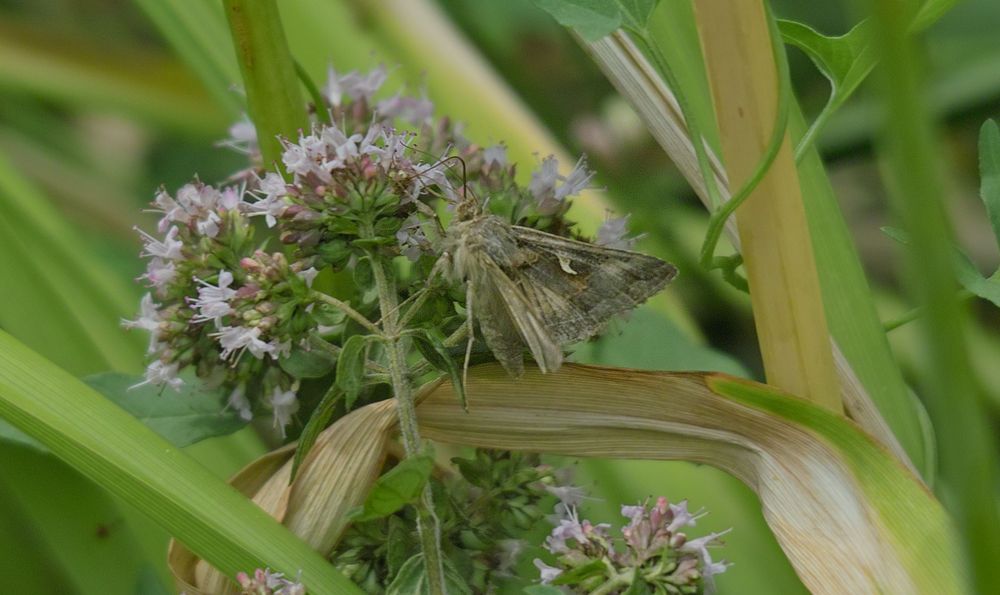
(470, 295)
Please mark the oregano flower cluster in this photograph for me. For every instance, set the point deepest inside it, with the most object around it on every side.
(232, 270)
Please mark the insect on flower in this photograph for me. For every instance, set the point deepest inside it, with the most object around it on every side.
(528, 287)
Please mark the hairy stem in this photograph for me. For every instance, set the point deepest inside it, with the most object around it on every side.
(427, 522)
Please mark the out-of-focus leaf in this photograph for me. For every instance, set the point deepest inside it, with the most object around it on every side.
(971, 279)
(183, 417)
(197, 31)
(86, 533)
(896, 234)
(989, 173)
(55, 298)
(78, 73)
(120, 454)
(308, 363)
(9, 433)
(580, 573)
(398, 487)
(542, 590)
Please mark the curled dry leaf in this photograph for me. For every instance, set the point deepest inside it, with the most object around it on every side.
(334, 478)
(849, 516)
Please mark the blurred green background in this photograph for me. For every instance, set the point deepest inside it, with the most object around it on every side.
(102, 101)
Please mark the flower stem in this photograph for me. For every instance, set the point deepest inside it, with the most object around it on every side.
(427, 522)
(346, 309)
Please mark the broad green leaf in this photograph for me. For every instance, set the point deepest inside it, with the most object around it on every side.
(351, 369)
(930, 12)
(398, 487)
(117, 452)
(989, 173)
(434, 351)
(320, 417)
(314, 362)
(183, 417)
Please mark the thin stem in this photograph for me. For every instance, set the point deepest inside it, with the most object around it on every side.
(916, 313)
(319, 104)
(399, 373)
(346, 309)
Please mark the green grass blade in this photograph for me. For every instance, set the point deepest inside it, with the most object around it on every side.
(197, 31)
(55, 298)
(123, 456)
(967, 446)
(80, 73)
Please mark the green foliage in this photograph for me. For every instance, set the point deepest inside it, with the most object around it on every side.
(312, 362)
(412, 579)
(351, 368)
(116, 451)
(190, 415)
(989, 173)
(594, 19)
(432, 348)
(396, 488)
(317, 422)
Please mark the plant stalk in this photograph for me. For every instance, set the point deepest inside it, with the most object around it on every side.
(274, 99)
(952, 391)
(427, 522)
(777, 249)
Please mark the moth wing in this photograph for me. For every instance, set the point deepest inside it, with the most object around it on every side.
(578, 287)
(508, 322)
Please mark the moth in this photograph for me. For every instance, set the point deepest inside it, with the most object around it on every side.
(528, 288)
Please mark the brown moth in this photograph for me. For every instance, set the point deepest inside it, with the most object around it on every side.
(529, 288)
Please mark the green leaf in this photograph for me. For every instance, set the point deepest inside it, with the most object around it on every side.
(434, 351)
(971, 279)
(351, 369)
(542, 590)
(844, 60)
(315, 362)
(117, 452)
(183, 417)
(896, 234)
(9, 433)
(592, 19)
(412, 578)
(400, 486)
(989, 172)
(317, 422)
(580, 573)
(638, 586)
